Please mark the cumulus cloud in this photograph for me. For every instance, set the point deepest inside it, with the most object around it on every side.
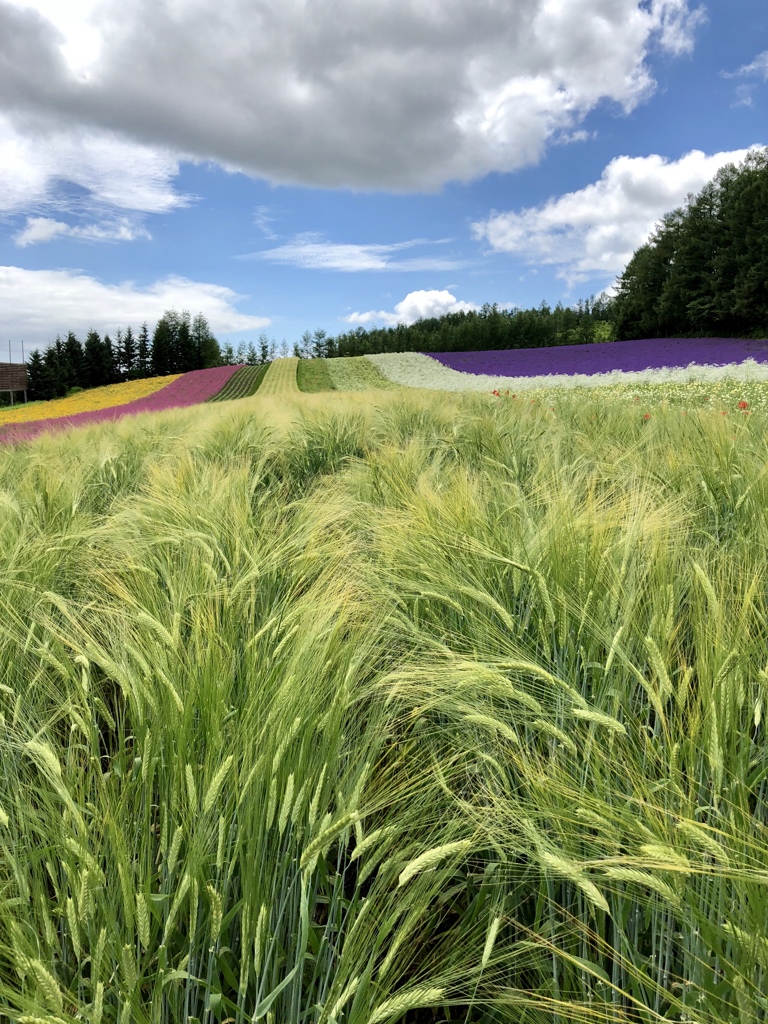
(395, 94)
(45, 229)
(310, 252)
(594, 231)
(415, 306)
(38, 303)
(79, 40)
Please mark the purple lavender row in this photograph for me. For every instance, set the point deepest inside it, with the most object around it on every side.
(648, 354)
(190, 389)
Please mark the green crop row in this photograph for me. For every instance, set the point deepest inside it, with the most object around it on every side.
(357, 373)
(243, 384)
(313, 376)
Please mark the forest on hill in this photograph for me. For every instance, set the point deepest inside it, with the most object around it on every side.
(704, 271)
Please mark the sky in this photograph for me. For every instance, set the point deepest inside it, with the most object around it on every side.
(293, 165)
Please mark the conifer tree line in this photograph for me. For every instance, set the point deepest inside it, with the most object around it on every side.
(178, 344)
(490, 327)
(704, 271)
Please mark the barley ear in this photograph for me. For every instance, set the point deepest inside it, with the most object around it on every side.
(431, 858)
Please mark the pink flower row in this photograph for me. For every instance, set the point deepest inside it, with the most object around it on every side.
(190, 389)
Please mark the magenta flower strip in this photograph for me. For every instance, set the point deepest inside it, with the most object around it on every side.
(191, 389)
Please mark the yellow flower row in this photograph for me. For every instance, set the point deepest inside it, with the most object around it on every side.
(86, 401)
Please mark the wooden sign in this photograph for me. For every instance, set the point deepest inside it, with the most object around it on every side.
(13, 377)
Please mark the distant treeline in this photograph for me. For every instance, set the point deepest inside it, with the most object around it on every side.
(178, 344)
(490, 327)
(704, 270)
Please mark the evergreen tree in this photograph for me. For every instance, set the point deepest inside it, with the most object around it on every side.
(94, 371)
(41, 385)
(228, 355)
(163, 357)
(56, 367)
(129, 355)
(74, 360)
(186, 356)
(745, 216)
(305, 345)
(119, 355)
(109, 361)
(144, 352)
(207, 351)
(263, 348)
(319, 345)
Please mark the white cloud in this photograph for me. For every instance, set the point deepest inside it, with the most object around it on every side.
(107, 171)
(44, 229)
(397, 94)
(743, 95)
(40, 229)
(759, 66)
(594, 231)
(310, 252)
(264, 217)
(415, 306)
(37, 304)
(676, 24)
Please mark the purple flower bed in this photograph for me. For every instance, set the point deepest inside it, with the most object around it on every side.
(190, 389)
(650, 354)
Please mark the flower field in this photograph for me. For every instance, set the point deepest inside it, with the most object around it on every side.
(176, 393)
(407, 709)
(92, 400)
(626, 356)
(413, 369)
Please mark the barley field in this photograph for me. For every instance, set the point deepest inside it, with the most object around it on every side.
(386, 707)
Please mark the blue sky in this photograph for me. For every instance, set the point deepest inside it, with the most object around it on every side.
(293, 165)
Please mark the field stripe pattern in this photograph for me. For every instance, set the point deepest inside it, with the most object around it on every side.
(182, 391)
(280, 378)
(242, 384)
(90, 400)
(356, 373)
(416, 370)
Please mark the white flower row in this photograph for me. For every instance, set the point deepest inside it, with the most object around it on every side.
(414, 370)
